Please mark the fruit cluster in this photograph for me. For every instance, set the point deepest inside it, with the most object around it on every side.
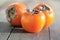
(35, 20)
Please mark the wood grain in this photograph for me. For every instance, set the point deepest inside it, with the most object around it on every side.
(4, 30)
(20, 34)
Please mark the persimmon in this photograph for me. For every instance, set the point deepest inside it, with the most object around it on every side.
(33, 21)
(14, 12)
(47, 10)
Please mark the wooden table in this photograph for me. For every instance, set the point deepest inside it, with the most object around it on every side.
(9, 33)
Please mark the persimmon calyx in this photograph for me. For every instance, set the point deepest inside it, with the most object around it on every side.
(43, 8)
(11, 12)
(33, 11)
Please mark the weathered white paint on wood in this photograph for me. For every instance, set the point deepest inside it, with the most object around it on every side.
(20, 34)
(4, 30)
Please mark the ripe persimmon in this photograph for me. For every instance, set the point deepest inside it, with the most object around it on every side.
(33, 21)
(14, 12)
(47, 10)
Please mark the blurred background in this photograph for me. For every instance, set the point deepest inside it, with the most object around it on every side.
(30, 4)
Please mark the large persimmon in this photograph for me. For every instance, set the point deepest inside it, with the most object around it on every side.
(33, 21)
(47, 10)
(14, 13)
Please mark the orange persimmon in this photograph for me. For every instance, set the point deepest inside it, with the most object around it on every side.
(47, 10)
(33, 21)
(14, 13)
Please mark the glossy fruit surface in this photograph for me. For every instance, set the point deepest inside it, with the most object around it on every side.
(14, 13)
(47, 10)
(33, 22)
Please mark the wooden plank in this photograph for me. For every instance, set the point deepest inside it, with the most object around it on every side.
(4, 30)
(54, 32)
(4, 27)
(20, 34)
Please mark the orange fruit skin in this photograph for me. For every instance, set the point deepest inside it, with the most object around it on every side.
(33, 22)
(20, 9)
(49, 15)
